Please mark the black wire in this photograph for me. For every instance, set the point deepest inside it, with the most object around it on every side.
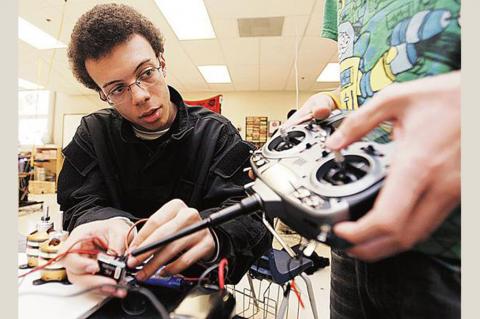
(299, 258)
(300, 240)
(204, 275)
(155, 302)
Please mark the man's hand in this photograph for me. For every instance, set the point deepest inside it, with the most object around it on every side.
(317, 106)
(81, 268)
(423, 183)
(169, 219)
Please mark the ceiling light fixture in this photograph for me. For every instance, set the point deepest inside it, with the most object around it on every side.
(27, 85)
(215, 73)
(188, 18)
(331, 73)
(36, 37)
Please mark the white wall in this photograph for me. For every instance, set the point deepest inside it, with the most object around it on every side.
(236, 106)
(72, 104)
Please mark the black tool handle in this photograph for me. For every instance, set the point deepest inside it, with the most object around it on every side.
(245, 206)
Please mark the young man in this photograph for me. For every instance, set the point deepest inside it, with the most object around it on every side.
(149, 156)
(400, 62)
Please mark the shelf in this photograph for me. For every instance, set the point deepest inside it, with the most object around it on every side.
(47, 161)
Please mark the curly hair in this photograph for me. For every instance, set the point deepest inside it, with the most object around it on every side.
(102, 28)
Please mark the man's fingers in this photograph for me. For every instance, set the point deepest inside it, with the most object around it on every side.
(390, 212)
(163, 231)
(188, 258)
(185, 217)
(297, 118)
(375, 249)
(80, 264)
(162, 256)
(89, 281)
(398, 223)
(321, 112)
(317, 106)
(162, 216)
(307, 113)
(116, 242)
(430, 212)
(359, 123)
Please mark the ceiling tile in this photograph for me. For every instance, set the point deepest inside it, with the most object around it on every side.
(204, 52)
(272, 77)
(241, 51)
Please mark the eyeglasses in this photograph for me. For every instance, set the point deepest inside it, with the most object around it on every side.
(118, 94)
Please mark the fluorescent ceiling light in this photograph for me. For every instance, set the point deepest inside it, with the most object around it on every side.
(331, 73)
(27, 85)
(215, 73)
(188, 18)
(37, 37)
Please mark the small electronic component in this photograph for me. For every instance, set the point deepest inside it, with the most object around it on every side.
(169, 282)
(54, 272)
(36, 238)
(112, 266)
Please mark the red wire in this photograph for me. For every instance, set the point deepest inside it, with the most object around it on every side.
(295, 290)
(95, 240)
(221, 272)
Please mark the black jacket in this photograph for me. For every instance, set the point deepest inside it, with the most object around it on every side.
(109, 172)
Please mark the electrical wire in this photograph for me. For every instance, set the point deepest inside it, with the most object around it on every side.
(297, 293)
(143, 220)
(188, 278)
(296, 69)
(204, 275)
(284, 304)
(21, 281)
(221, 272)
(300, 259)
(58, 257)
(95, 240)
(162, 311)
(59, 33)
(103, 246)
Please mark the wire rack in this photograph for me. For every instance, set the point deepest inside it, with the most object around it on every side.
(261, 299)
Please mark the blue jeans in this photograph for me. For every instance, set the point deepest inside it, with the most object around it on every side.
(407, 286)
